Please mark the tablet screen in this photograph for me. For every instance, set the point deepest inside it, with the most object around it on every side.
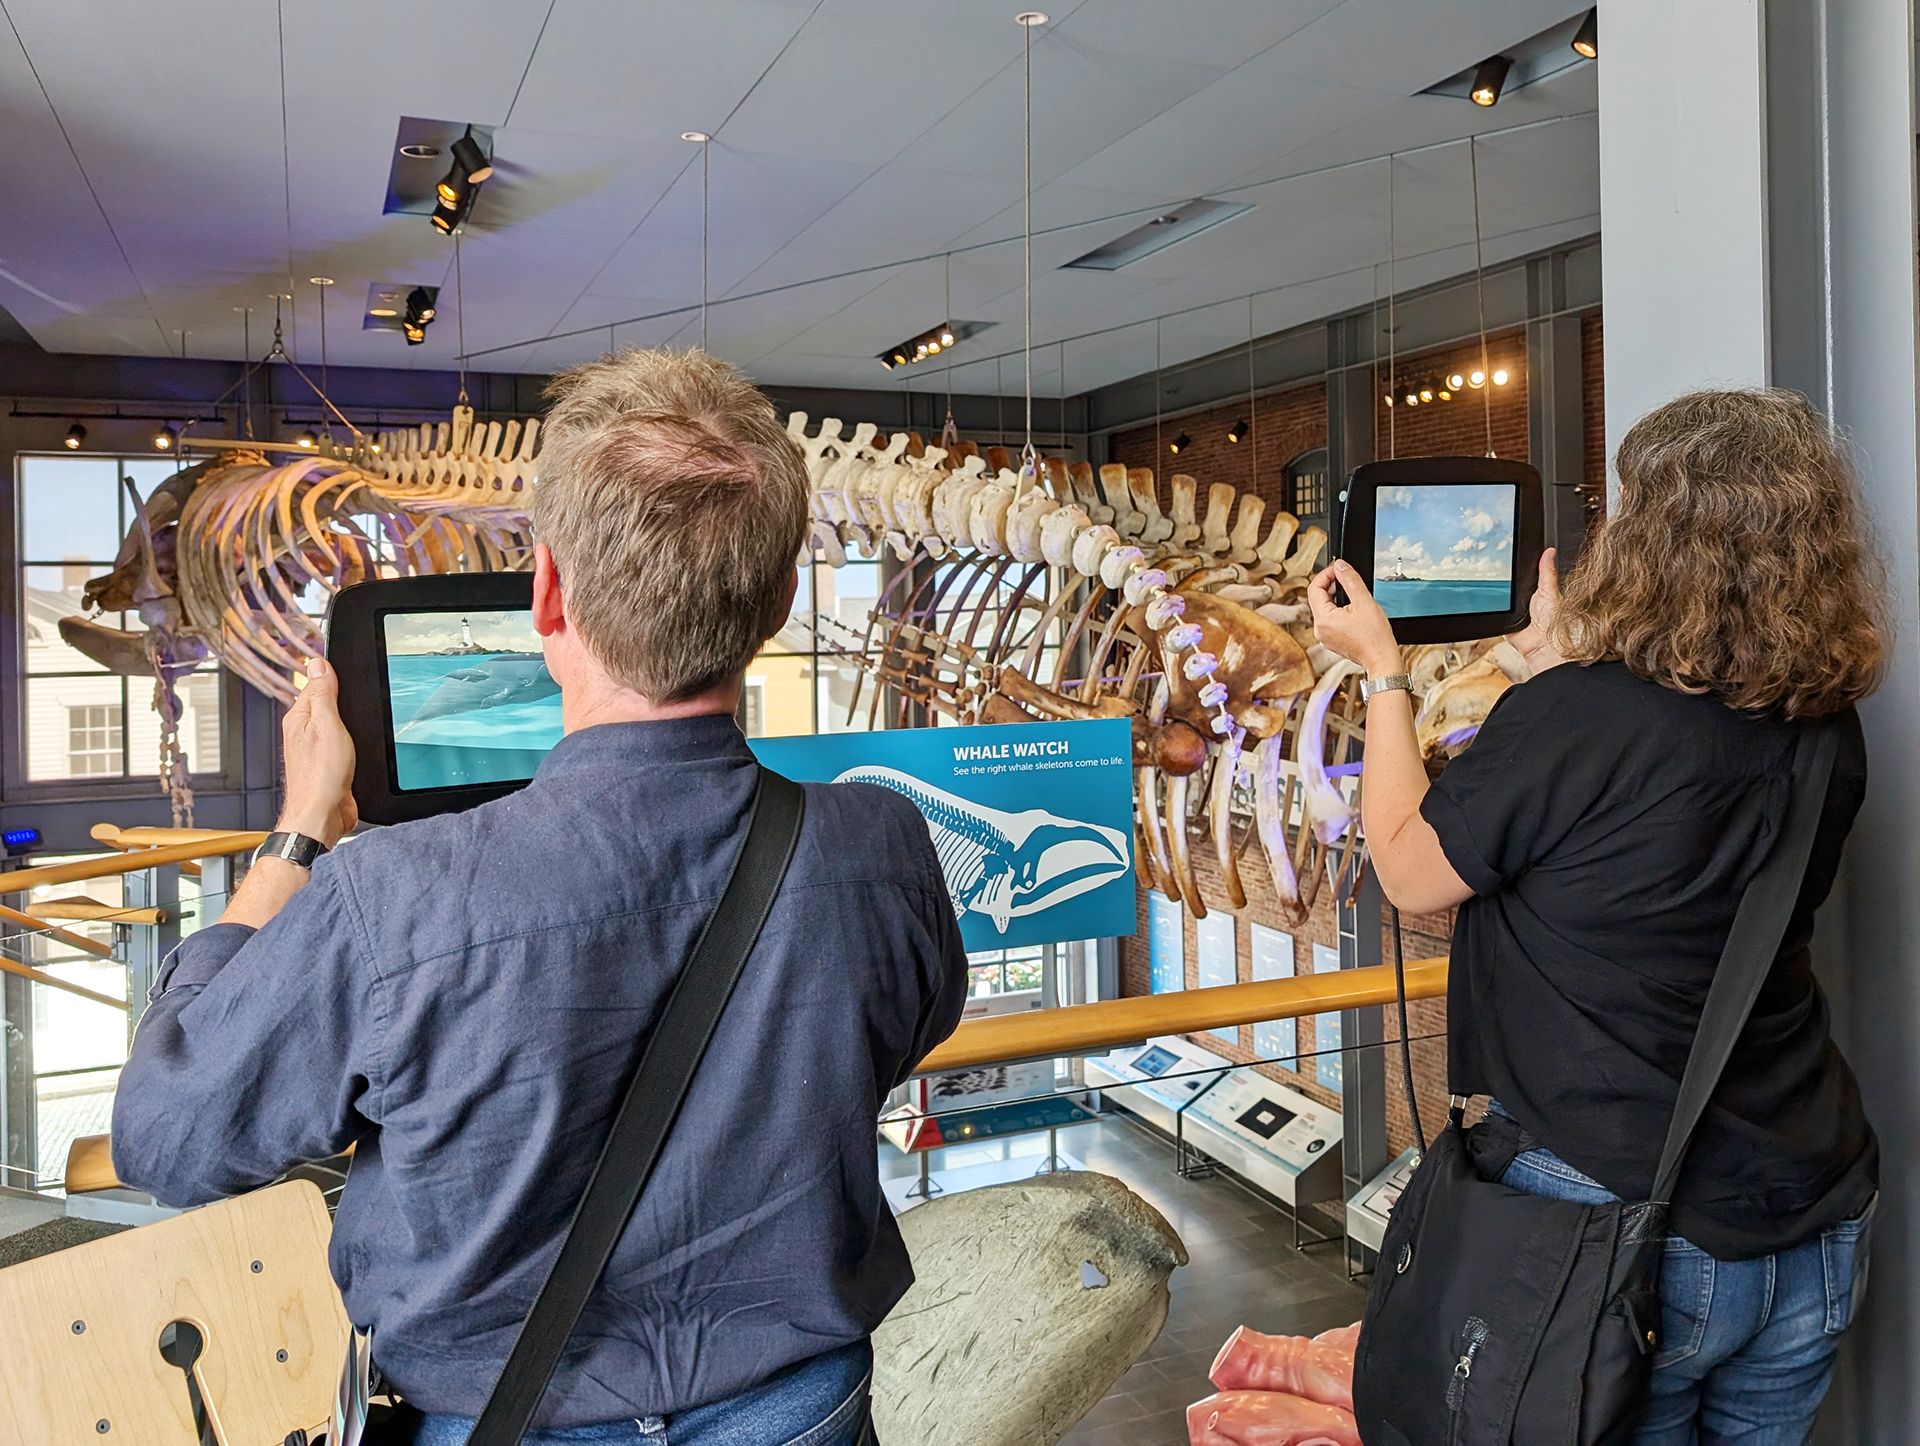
(469, 698)
(1444, 550)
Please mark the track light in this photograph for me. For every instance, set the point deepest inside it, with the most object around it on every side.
(451, 188)
(470, 163)
(164, 439)
(933, 347)
(1238, 430)
(1455, 381)
(1179, 443)
(1426, 394)
(76, 434)
(414, 332)
(1586, 40)
(1389, 398)
(1445, 395)
(928, 344)
(306, 441)
(1412, 399)
(420, 305)
(445, 218)
(1476, 379)
(946, 336)
(899, 357)
(1489, 78)
(1500, 376)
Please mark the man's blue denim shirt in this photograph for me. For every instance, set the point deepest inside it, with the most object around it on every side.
(464, 1000)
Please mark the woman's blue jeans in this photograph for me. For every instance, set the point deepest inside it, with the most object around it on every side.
(1746, 1346)
(821, 1402)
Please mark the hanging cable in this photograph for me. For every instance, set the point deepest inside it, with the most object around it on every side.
(1156, 391)
(1029, 457)
(326, 422)
(706, 148)
(949, 434)
(1480, 290)
(246, 377)
(460, 315)
(1253, 409)
(1392, 338)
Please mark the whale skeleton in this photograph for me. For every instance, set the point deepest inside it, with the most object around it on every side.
(1076, 592)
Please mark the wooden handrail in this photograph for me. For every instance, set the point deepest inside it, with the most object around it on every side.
(53, 931)
(53, 981)
(115, 837)
(106, 866)
(1049, 1033)
(1093, 1028)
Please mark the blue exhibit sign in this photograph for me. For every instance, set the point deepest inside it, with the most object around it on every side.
(1274, 1039)
(1329, 1064)
(1033, 822)
(1219, 961)
(1166, 944)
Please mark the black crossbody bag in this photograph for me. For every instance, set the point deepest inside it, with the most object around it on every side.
(1496, 1316)
(640, 1127)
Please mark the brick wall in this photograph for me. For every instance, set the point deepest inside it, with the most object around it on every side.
(1593, 413)
(1283, 426)
(1459, 427)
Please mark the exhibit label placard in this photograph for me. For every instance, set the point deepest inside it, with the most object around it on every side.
(1329, 1065)
(1033, 822)
(1219, 961)
(1166, 944)
(1274, 1039)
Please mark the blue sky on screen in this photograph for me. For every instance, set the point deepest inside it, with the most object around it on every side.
(1461, 533)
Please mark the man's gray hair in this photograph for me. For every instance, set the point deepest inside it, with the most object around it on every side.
(675, 505)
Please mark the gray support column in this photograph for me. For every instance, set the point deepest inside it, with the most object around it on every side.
(1852, 104)
(149, 944)
(1555, 415)
(1350, 439)
(1363, 1104)
(1759, 195)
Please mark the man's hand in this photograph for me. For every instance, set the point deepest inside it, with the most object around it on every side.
(1535, 640)
(1360, 631)
(319, 761)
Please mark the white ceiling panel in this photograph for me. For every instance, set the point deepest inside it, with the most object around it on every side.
(857, 142)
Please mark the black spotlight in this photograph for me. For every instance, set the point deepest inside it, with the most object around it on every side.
(414, 332)
(1586, 40)
(1238, 430)
(306, 441)
(164, 438)
(451, 189)
(420, 305)
(470, 163)
(76, 434)
(1180, 442)
(1487, 80)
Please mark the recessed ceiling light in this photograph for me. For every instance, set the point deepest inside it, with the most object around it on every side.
(319, 281)
(383, 311)
(1031, 18)
(419, 152)
(698, 137)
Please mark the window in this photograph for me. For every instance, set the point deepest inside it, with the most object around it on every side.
(96, 740)
(1306, 490)
(1005, 971)
(78, 719)
(753, 707)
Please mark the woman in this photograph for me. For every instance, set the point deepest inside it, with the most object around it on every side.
(1597, 836)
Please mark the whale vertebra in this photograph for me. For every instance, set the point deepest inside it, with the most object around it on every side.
(1006, 865)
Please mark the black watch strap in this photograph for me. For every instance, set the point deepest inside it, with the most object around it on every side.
(295, 848)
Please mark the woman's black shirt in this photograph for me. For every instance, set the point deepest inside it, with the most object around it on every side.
(1608, 827)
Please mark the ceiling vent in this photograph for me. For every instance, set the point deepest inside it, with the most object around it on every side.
(1181, 223)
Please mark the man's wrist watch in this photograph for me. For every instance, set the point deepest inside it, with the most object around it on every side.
(1370, 686)
(295, 848)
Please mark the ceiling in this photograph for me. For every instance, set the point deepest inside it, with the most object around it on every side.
(158, 176)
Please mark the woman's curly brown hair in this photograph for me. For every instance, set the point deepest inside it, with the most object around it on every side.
(1736, 562)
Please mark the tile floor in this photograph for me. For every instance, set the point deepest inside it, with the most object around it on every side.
(1244, 1271)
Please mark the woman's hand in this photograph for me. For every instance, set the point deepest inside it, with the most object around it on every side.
(1358, 632)
(1535, 640)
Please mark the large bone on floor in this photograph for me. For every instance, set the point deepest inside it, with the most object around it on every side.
(1007, 1337)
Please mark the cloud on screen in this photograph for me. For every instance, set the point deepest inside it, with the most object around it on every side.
(1459, 533)
(497, 632)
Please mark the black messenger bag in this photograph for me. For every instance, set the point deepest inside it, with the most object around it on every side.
(1496, 1316)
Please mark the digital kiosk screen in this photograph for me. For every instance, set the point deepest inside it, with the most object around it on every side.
(1438, 551)
(469, 698)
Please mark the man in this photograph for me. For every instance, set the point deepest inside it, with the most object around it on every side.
(465, 999)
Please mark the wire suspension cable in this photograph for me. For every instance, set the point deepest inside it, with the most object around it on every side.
(1029, 458)
(326, 422)
(460, 314)
(1392, 338)
(1480, 291)
(246, 377)
(706, 148)
(1156, 391)
(949, 434)
(1253, 410)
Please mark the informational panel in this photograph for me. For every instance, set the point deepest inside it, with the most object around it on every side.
(1275, 1136)
(1218, 954)
(1328, 1063)
(1033, 822)
(1367, 1212)
(1274, 1039)
(1166, 944)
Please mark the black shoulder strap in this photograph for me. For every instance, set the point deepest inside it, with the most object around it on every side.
(667, 1066)
(1752, 945)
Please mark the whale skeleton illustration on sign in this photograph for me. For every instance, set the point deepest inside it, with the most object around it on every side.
(1007, 865)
